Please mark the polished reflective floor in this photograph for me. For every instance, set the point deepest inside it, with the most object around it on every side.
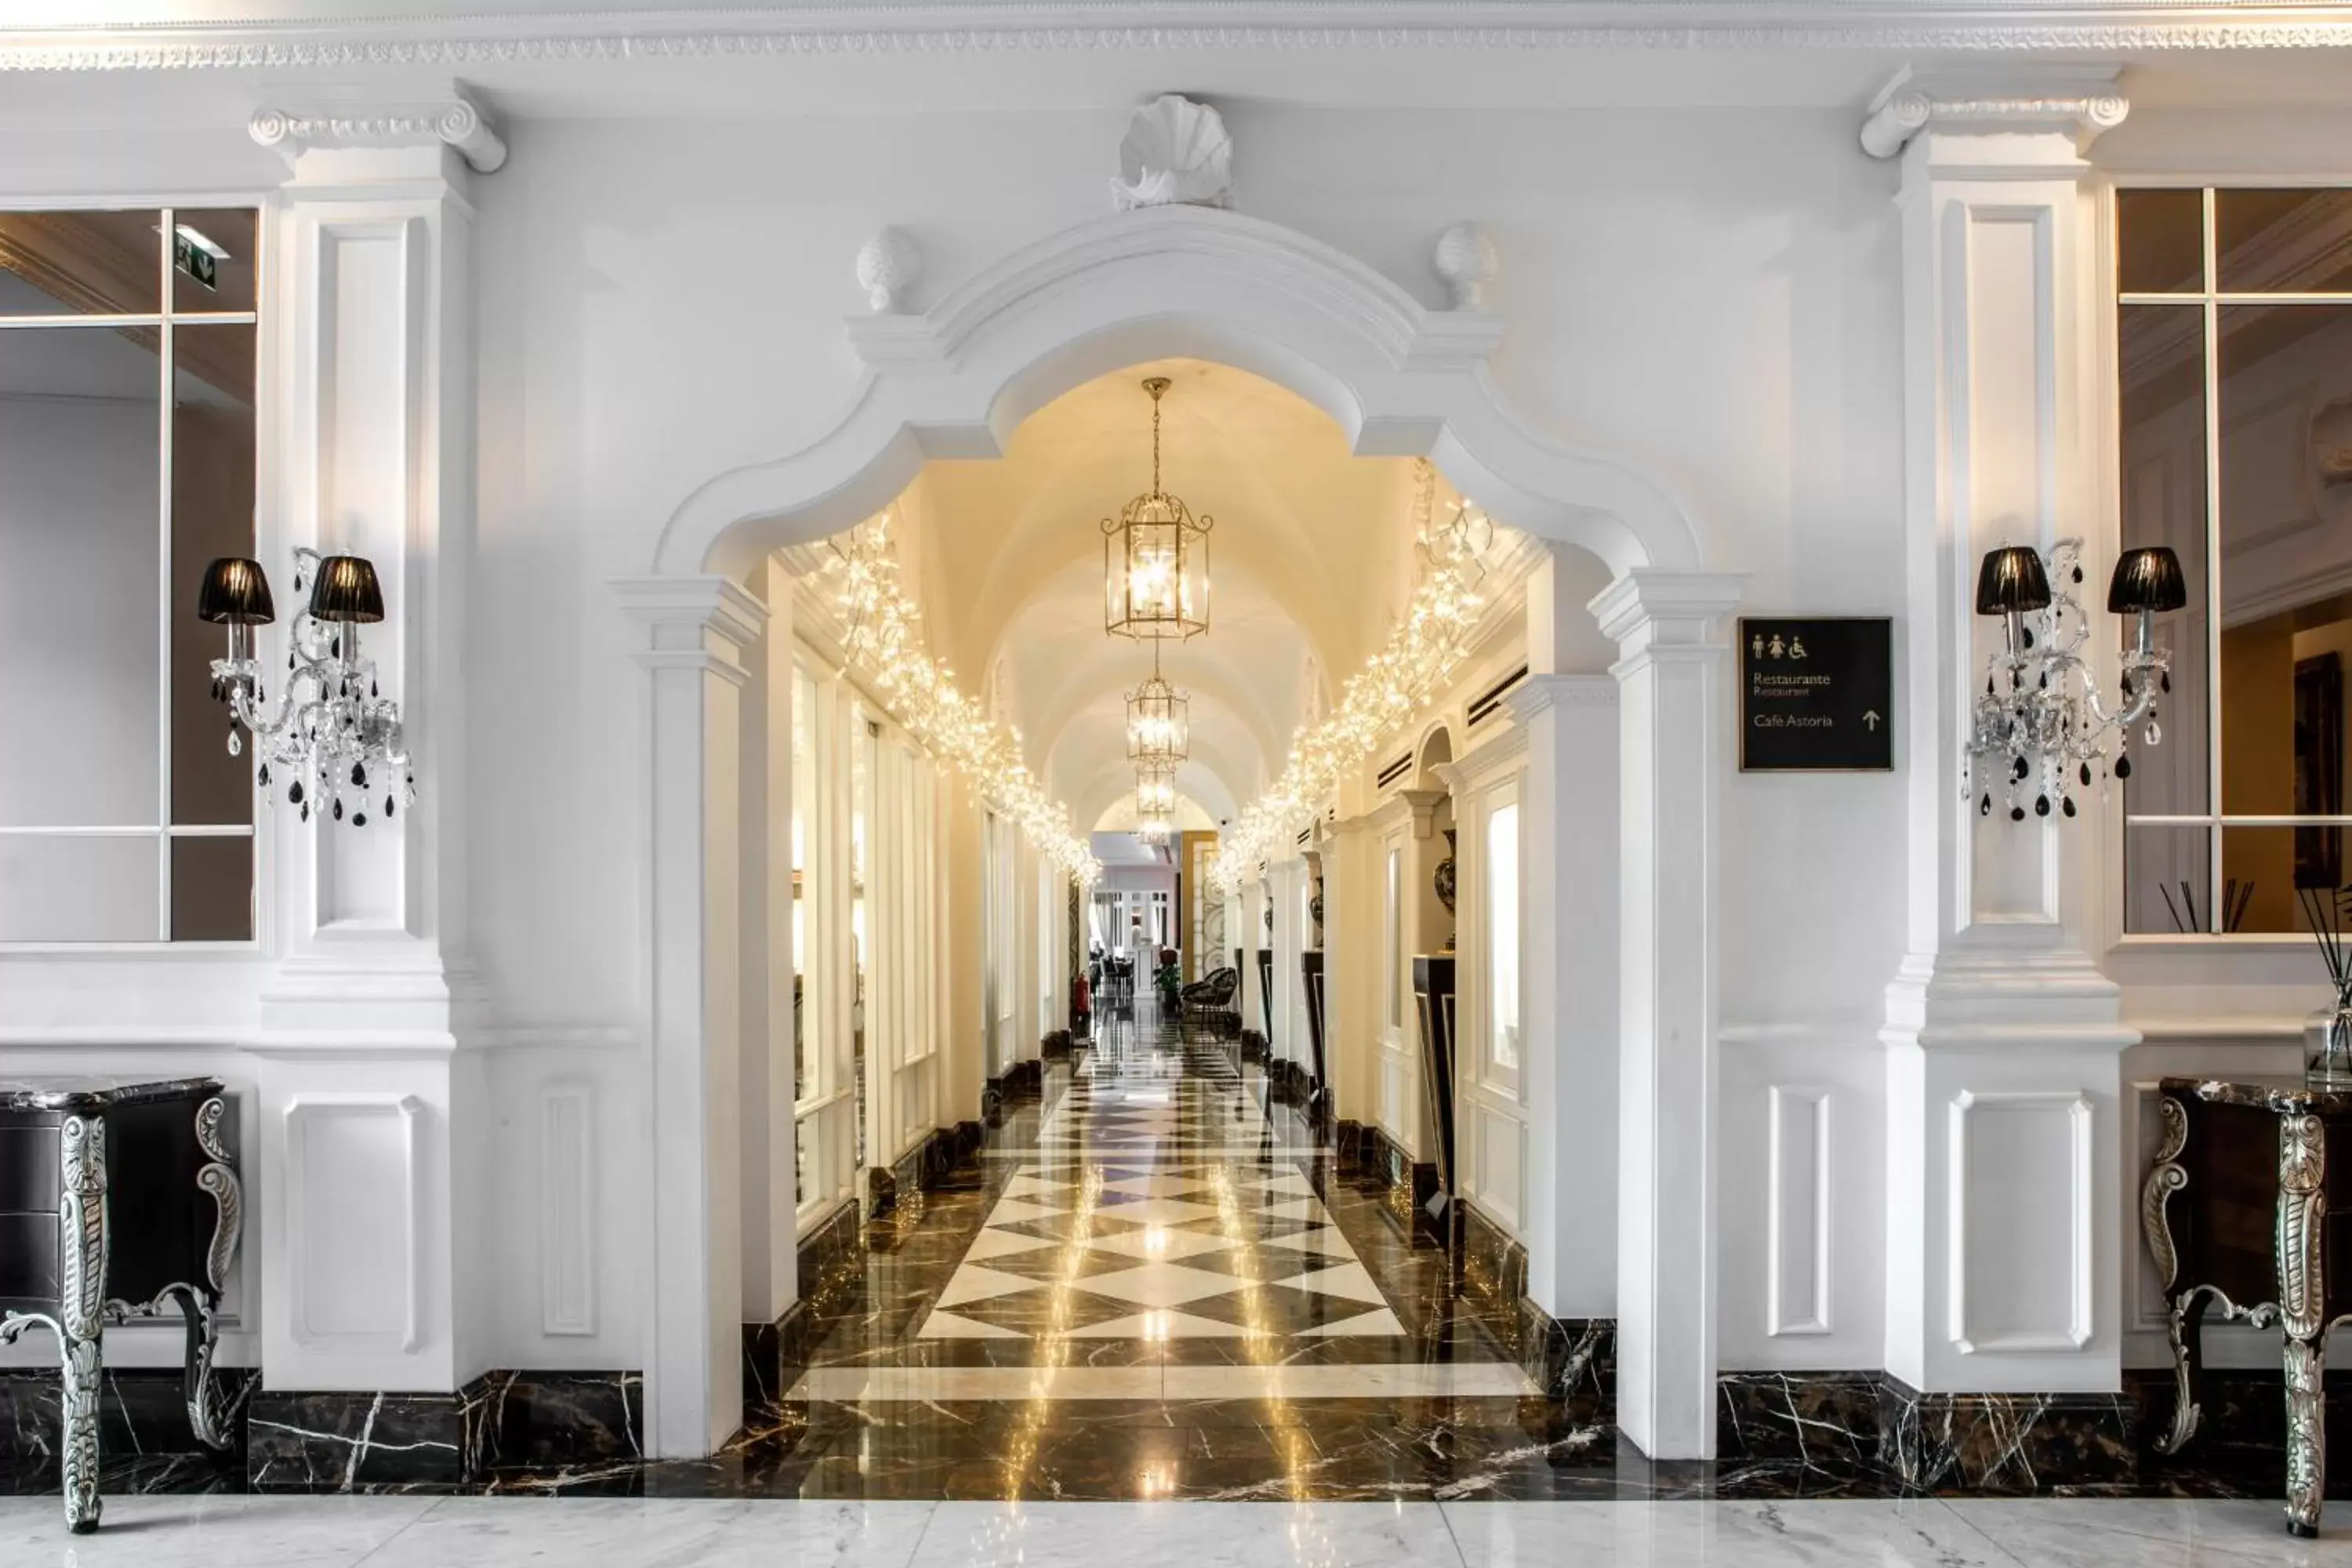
(1159, 1287)
(412, 1531)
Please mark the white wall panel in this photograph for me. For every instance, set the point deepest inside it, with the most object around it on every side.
(352, 1202)
(2021, 1192)
(1799, 1226)
(567, 1208)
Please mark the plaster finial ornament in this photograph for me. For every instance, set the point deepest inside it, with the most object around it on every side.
(1466, 259)
(887, 266)
(1175, 152)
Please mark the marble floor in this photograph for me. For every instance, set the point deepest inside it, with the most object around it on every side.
(412, 1531)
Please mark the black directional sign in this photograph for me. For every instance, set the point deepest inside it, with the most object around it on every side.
(1817, 695)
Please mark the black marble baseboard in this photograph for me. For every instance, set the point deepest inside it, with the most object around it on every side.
(141, 1410)
(1056, 1047)
(358, 1441)
(1573, 1360)
(558, 1420)
(1864, 1425)
(1254, 1047)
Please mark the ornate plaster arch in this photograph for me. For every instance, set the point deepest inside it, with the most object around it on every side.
(1400, 379)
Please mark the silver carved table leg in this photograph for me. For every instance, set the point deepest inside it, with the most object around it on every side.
(81, 1308)
(2303, 1297)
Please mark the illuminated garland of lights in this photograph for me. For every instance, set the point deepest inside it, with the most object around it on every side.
(884, 640)
(1408, 671)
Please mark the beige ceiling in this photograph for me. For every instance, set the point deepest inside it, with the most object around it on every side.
(1310, 556)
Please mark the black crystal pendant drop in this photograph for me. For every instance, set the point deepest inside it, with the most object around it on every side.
(2017, 814)
(2164, 681)
(2086, 776)
(294, 793)
(358, 819)
(371, 690)
(1984, 806)
(2066, 804)
(387, 806)
(2078, 575)
(2040, 805)
(306, 814)
(2019, 771)
(339, 811)
(359, 775)
(265, 775)
(1988, 691)
(2123, 767)
(2028, 637)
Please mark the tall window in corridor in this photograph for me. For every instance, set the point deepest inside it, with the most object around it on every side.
(2234, 377)
(1503, 936)
(127, 421)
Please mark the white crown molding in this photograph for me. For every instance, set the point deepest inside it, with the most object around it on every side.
(702, 601)
(454, 120)
(1514, 25)
(2080, 100)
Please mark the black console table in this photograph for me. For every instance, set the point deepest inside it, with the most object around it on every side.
(116, 1200)
(2236, 1210)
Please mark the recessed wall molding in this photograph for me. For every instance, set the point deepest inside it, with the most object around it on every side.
(2004, 1295)
(567, 1209)
(353, 1203)
(1302, 24)
(1798, 1221)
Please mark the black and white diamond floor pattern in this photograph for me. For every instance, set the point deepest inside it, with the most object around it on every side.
(1154, 1209)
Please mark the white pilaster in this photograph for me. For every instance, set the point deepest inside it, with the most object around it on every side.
(2003, 1036)
(372, 1114)
(696, 628)
(1254, 938)
(1290, 984)
(1671, 755)
(770, 1230)
(1571, 1015)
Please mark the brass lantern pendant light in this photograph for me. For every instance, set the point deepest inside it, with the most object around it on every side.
(1158, 730)
(1156, 557)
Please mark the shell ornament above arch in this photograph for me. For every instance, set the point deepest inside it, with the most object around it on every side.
(1176, 152)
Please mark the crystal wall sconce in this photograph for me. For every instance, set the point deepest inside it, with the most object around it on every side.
(334, 737)
(2040, 718)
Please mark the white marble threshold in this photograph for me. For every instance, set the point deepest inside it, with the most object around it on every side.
(611, 1532)
(860, 1385)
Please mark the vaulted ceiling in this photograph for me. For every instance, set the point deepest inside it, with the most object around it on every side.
(1311, 557)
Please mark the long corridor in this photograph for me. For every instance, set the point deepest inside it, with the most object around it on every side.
(1161, 1286)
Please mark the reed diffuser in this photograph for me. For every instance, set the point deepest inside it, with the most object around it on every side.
(2331, 1066)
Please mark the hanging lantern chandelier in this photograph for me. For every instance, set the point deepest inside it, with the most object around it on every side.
(1159, 730)
(1156, 557)
(1155, 803)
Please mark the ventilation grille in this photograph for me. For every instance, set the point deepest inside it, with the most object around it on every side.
(1395, 769)
(1482, 706)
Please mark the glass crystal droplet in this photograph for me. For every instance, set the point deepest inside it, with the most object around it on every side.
(265, 775)
(236, 746)
(2028, 637)
(2017, 814)
(2066, 803)
(294, 793)
(2123, 767)
(1984, 806)
(339, 811)
(359, 775)
(306, 814)
(2018, 771)
(358, 819)
(2164, 681)
(2040, 805)
(2155, 736)
(2078, 573)
(387, 806)
(2086, 776)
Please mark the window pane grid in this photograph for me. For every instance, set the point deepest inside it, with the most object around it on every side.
(66, 261)
(2274, 626)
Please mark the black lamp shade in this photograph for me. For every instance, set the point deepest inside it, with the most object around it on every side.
(346, 590)
(235, 593)
(2147, 579)
(2011, 580)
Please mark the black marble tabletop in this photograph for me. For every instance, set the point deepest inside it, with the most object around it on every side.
(87, 1092)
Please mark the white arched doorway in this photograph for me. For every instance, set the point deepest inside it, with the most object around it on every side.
(1401, 380)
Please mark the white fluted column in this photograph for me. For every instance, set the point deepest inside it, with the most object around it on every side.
(1672, 754)
(696, 631)
(2003, 1036)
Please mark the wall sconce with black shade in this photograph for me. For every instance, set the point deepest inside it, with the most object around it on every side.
(2040, 710)
(334, 736)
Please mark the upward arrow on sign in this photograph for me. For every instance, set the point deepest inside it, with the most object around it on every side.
(1871, 718)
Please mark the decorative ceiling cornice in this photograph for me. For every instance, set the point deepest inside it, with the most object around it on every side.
(1301, 25)
(454, 119)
